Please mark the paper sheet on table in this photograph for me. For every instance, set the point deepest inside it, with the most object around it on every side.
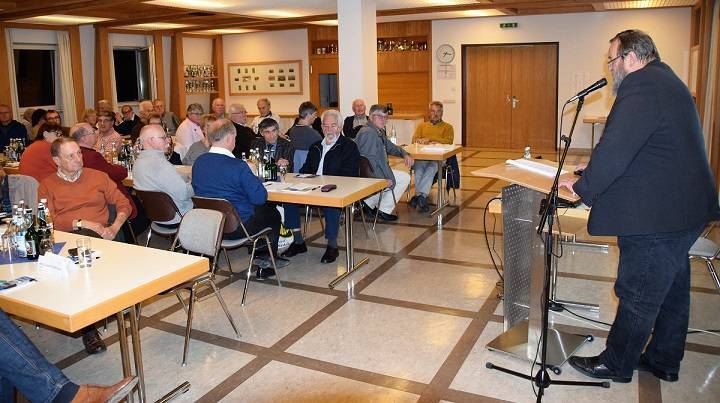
(438, 148)
(301, 187)
(275, 186)
(534, 166)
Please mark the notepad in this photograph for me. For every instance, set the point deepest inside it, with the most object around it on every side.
(533, 166)
(437, 148)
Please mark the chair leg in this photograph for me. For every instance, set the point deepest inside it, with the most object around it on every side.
(450, 177)
(224, 307)
(227, 257)
(308, 217)
(377, 209)
(188, 326)
(128, 223)
(182, 303)
(713, 273)
(272, 259)
(249, 273)
(147, 243)
(362, 216)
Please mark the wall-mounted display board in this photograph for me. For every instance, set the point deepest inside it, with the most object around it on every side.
(266, 78)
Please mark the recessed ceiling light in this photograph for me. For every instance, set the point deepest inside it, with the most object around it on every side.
(200, 4)
(156, 25)
(325, 22)
(226, 31)
(490, 12)
(276, 13)
(62, 19)
(616, 5)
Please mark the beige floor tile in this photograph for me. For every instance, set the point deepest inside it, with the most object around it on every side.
(699, 380)
(385, 238)
(208, 365)
(270, 312)
(279, 382)
(417, 281)
(399, 342)
(473, 219)
(457, 246)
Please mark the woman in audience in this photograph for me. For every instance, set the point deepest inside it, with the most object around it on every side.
(199, 148)
(90, 116)
(36, 161)
(37, 119)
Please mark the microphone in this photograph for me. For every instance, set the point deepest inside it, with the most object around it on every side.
(596, 86)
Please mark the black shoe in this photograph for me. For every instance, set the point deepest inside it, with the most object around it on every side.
(423, 204)
(330, 255)
(265, 273)
(414, 201)
(592, 367)
(387, 217)
(94, 344)
(369, 211)
(295, 249)
(644, 365)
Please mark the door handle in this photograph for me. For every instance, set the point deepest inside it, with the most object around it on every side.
(515, 101)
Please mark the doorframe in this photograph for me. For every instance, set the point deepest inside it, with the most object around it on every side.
(463, 56)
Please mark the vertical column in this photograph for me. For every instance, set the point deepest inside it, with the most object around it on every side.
(177, 76)
(74, 34)
(357, 42)
(159, 67)
(5, 92)
(103, 86)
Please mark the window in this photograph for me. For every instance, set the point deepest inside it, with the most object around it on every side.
(35, 77)
(132, 74)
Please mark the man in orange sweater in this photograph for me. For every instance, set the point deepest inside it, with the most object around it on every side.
(79, 198)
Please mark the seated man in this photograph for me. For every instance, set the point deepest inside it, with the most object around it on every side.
(433, 132)
(152, 171)
(169, 120)
(53, 117)
(302, 135)
(218, 108)
(264, 112)
(189, 130)
(219, 174)
(106, 134)
(10, 128)
(146, 108)
(25, 368)
(354, 123)
(199, 148)
(334, 155)
(245, 135)
(79, 199)
(129, 120)
(373, 144)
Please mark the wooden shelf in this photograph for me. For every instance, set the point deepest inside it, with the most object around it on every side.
(200, 78)
(201, 92)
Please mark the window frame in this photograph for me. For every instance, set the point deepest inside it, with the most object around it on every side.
(55, 70)
(141, 84)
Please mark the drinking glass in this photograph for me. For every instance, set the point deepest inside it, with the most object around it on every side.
(84, 252)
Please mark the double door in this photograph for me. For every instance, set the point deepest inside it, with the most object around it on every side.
(510, 96)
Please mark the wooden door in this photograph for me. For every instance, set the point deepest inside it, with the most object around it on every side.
(321, 65)
(487, 85)
(510, 96)
(534, 86)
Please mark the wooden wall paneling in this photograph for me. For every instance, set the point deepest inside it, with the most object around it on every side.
(103, 89)
(400, 62)
(404, 28)
(5, 93)
(76, 61)
(701, 30)
(177, 76)
(159, 66)
(408, 92)
(217, 53)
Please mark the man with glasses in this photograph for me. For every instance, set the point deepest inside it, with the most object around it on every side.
(129, 120)
(245, 135)
(649, 184)
(189, 130)
(169, 120)
(107, 136)
(373, 144)
(153, 172)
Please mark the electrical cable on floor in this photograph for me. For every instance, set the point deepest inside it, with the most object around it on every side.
(487, 241)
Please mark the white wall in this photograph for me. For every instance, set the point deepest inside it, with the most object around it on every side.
(268, 47)
(583, 43)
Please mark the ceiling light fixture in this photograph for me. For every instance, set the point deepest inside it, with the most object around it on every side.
(61, 19)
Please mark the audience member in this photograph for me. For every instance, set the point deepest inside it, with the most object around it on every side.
(53, 117)
(26, 120)
(219, 174)
(200, 147)
(169, 120)
(263, 106)
(189, 130)
(107, 137)
(104, 105)
(37, 119)
(302, 135)
(9, 127)
(146, 108)
(436, 131)
(152, 171)
(373, 143)
(129, 120)
(36, 161)
(26, 369)
(170, 154)
(218, 108)
(90, 117)
(245, 135)
(335, 155)
(354, 123)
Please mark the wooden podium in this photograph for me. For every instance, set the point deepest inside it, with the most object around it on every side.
(524, 265)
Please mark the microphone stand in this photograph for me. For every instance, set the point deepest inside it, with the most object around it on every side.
(542, 377)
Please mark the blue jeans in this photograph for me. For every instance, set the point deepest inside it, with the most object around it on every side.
(653, 286)
(332, 221)
(22, 366)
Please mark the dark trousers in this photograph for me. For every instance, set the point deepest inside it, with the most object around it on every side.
(263, 216)
(653, 286)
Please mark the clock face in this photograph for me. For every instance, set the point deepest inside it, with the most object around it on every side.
(445, 53)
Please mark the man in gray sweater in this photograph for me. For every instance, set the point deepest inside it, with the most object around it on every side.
(152, 171)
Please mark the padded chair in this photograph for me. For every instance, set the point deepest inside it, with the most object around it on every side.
(232, 223)
(707, 250)
(200, 232)
(159, 207)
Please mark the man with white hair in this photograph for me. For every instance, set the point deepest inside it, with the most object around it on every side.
(169, 120)
(189, 131)
(146, 108)
(354, 123)
(152, 171)
(245, 135)
(218, 108)
(263, 106)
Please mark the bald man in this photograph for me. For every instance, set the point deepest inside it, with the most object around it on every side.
(146, 108)
(353, 124)
(264, 112)
(152, 171)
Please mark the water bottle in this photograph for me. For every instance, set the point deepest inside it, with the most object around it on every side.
(527, 154)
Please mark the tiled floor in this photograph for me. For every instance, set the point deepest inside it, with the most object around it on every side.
(415, 329)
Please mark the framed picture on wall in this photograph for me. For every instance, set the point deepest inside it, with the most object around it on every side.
(265, 78)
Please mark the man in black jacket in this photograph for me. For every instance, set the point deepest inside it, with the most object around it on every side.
(334, 155)
(649, 184)
(354, 123)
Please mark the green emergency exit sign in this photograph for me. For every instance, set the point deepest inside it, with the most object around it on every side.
(508, 25)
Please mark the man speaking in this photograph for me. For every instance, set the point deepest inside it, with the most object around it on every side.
(649, 184)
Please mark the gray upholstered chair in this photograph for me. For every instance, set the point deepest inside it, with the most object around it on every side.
(200, 232)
